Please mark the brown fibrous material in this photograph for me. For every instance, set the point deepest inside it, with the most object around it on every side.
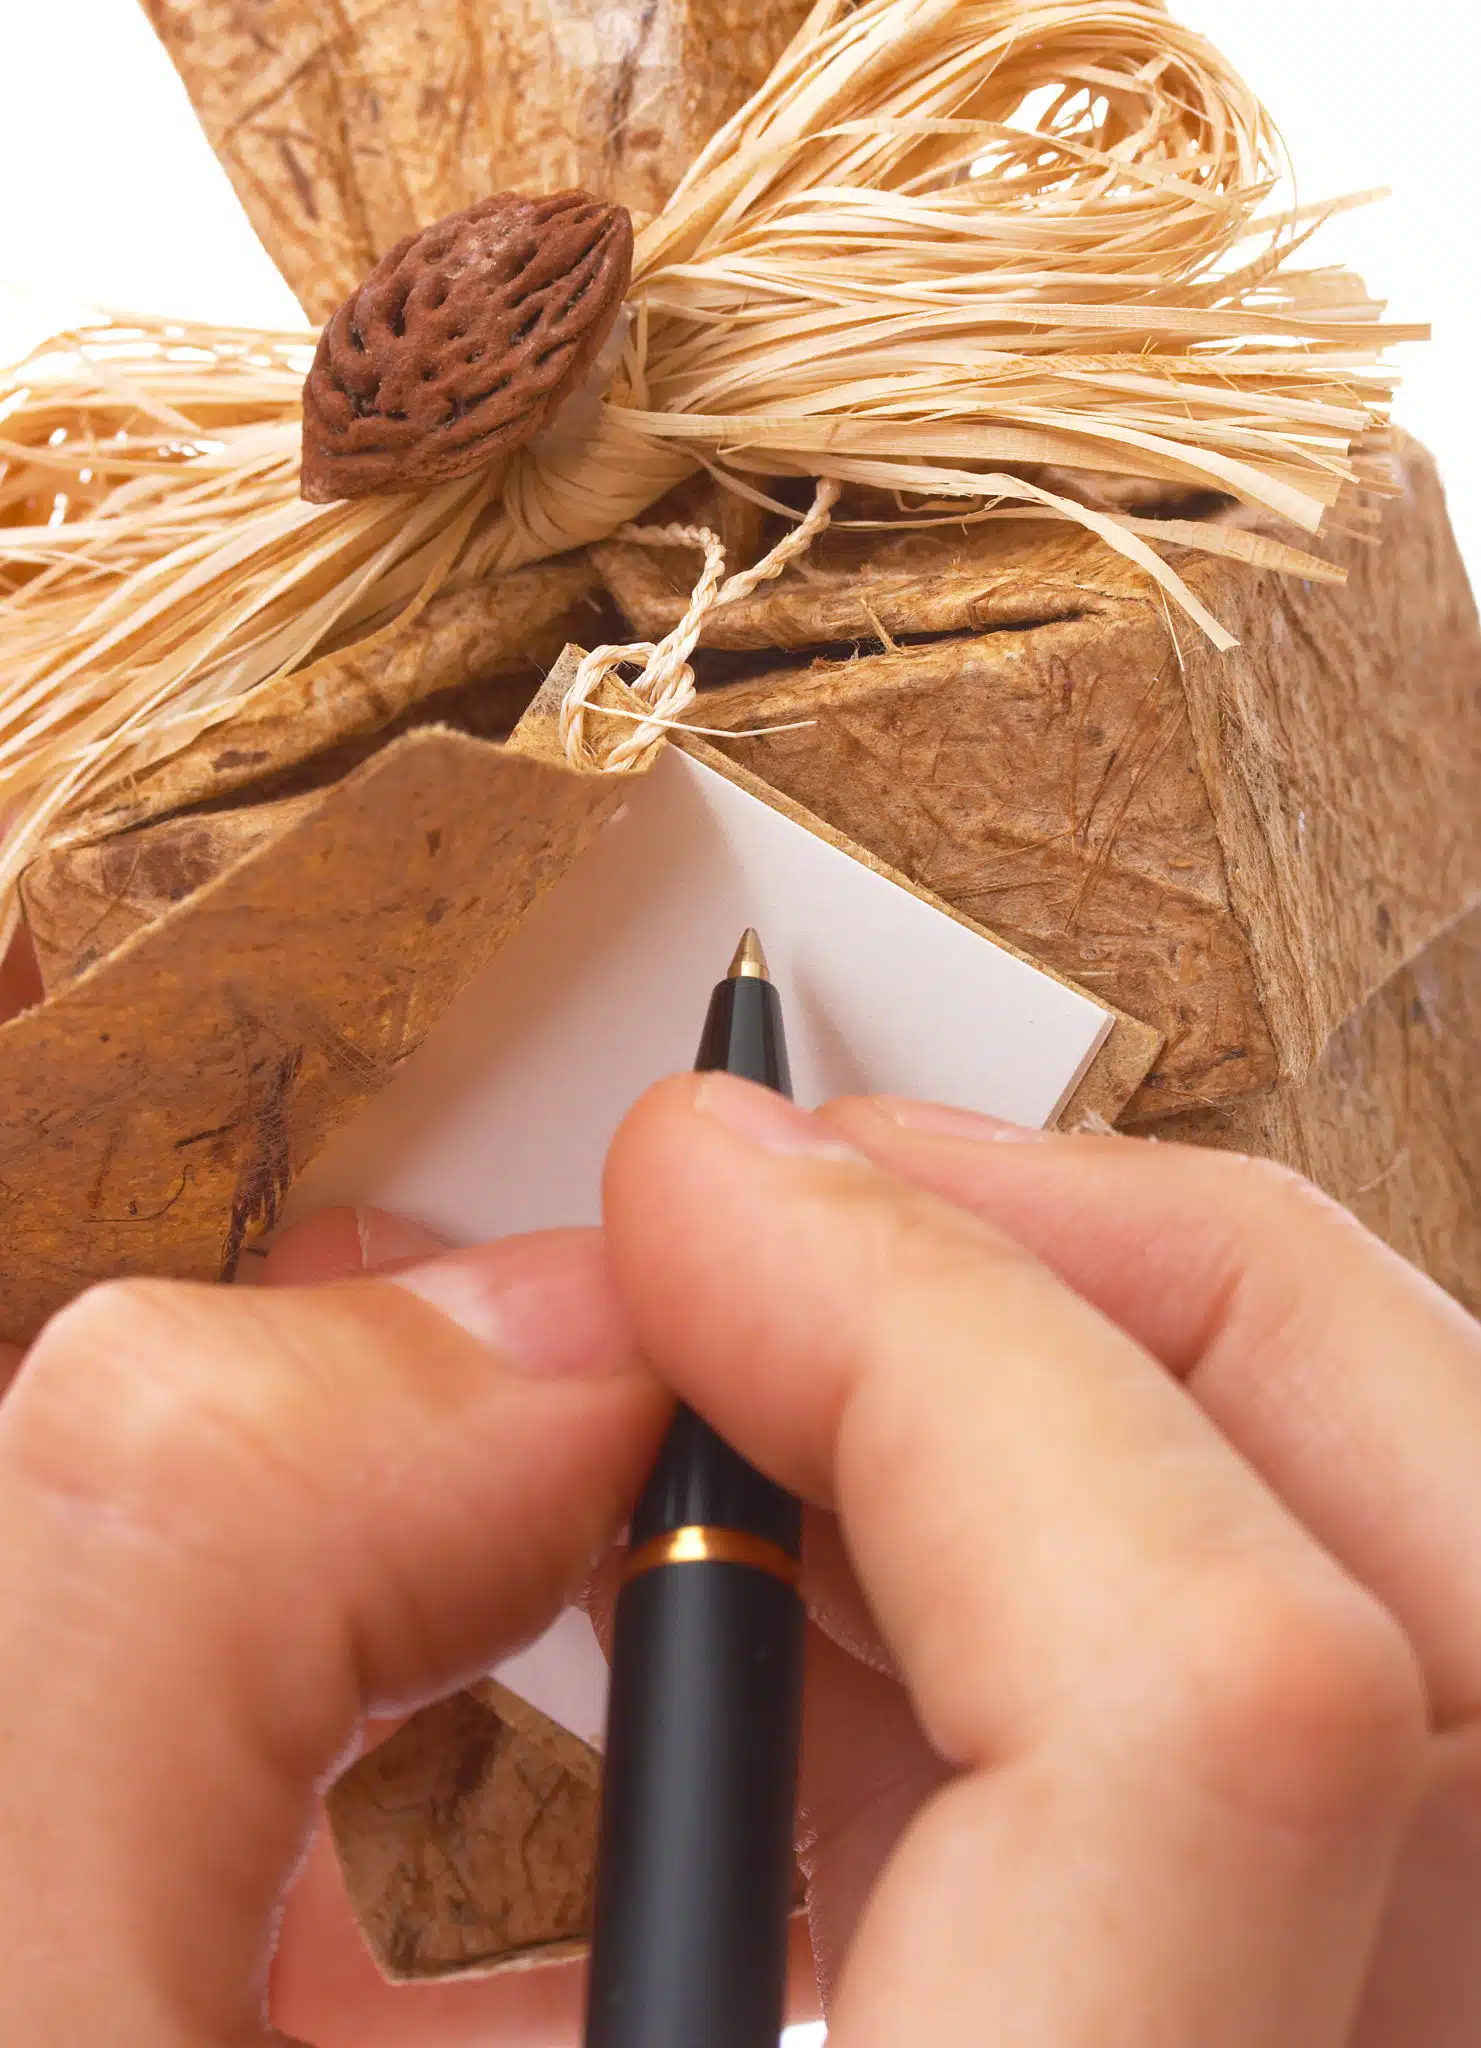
(462, 342)
(940, 256)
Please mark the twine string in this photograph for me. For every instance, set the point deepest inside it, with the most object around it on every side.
(665, 681)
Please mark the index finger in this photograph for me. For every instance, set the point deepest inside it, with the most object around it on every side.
(1188, 1740)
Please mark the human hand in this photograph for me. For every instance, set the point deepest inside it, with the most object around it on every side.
(1162, 1482)
(1187, 1764)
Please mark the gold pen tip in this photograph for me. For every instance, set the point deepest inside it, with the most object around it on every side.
(749, 960)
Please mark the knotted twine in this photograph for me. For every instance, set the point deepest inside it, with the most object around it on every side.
(666, 681)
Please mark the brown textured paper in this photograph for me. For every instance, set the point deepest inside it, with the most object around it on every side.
(470, 1837)
(468, 1841)
(1389, 1118)
(157, 1107)
(344, 128)
(501, 634)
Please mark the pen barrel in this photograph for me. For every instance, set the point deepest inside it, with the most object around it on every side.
(695, 1881)
(694, 1868)
(743, 1035)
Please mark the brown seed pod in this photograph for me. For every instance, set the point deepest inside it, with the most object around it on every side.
(462, 342)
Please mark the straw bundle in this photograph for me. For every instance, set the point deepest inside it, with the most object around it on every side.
(951, 249)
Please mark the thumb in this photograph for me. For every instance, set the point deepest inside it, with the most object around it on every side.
(231, 1523)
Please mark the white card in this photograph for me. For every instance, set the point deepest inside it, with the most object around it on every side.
(500, 1119)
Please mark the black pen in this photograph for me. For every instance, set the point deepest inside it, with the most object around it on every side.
(694, 1869)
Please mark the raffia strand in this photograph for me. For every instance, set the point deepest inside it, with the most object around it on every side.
(951, 250)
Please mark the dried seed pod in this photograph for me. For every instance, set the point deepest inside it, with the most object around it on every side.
(461, 343)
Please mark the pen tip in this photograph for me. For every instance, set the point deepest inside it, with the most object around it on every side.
(749, 960)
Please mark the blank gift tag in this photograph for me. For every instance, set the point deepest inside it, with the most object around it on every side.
(499, 1121)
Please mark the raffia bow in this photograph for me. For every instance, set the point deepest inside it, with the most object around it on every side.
(950, 250)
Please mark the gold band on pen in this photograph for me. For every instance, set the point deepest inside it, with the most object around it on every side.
(697, 1544)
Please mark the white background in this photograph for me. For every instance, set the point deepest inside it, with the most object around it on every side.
(112, 195)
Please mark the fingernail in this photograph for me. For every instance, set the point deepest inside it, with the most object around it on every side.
(942, 1120)
(543, 1304)
(767, 1119)
(384, 1237)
